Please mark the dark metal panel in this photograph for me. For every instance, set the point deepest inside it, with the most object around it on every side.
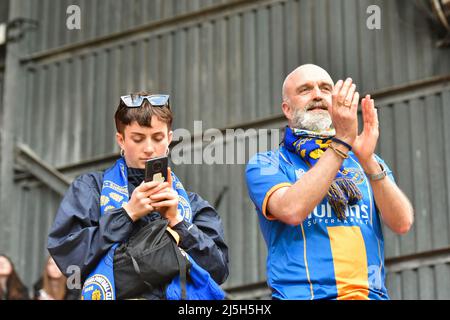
(126, 15)
(221, 72)
(446, 135)
(40, 115)
(87, 98)
(102, 17)
(277, 61)
(168, 8)
(263, 62)
(291, 31)
(179, 83)
(114, 10)
(234, 56)
(351, 41)
(393, 284)
(141, 70)
(235, 230)
(166, 72)
(66, 106)
(42, 31)
(401, 132)
(410, 285)
(24, 258)
(410, 37)
(426, 283)
(192, 76)
(78, 114)
(52, 110)
(30, 104)
(99, 17)
(442, 281)
(100, 123)
(56, 23)
(306, 35)
(436, 180)
(206, 100)
(33, 251)
(251, 266)
(420, 167)
(382, 52)
(112, 101)
(321, 44)
(336, 65)
(367, 49)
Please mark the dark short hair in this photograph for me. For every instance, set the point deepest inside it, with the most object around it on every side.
(124, 115)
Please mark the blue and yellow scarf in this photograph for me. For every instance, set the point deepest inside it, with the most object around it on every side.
(100, 283)
(310, 146)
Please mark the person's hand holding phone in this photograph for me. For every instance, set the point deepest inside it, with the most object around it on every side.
(139, 204)
(165, 201)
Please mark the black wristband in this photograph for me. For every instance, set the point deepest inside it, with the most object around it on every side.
(349, 147)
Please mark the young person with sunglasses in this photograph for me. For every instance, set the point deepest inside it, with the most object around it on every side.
(103, 209)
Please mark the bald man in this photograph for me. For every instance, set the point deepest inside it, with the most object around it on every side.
(322, 196)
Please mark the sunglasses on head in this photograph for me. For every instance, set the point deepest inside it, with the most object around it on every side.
(156, 100)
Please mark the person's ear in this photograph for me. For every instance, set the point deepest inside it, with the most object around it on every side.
(170, 137)
(120, 140)
(286, 110)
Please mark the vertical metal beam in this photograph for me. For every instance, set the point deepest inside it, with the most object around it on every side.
(13, 99)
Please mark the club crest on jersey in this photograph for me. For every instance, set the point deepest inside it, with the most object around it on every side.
(184, 208)
(97, 287)
(355, 174)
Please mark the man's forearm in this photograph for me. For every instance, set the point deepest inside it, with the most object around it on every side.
(396, 210)
(299, 200)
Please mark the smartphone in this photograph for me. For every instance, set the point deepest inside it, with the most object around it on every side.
(156, 169)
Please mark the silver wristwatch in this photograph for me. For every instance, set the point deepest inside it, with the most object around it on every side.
(377, 176)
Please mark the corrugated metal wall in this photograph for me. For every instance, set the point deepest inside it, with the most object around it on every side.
(414, 140)
(224, 62)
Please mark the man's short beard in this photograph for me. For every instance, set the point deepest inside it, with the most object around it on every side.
(312, 121)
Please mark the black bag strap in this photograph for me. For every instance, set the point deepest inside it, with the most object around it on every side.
(183, 270)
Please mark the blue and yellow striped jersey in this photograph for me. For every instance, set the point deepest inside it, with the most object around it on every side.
(323, 257)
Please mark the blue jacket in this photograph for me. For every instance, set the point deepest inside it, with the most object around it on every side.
(80, 237)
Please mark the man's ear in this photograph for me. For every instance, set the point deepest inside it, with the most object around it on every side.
(286, 110)
(120, 140)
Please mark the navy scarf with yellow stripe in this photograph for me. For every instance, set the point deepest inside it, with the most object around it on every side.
(310, 146)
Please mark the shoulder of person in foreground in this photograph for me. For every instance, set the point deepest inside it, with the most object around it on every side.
(79, 236)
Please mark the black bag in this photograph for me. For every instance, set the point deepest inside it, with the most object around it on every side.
(149, 259)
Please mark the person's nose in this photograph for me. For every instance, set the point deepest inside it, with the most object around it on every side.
(316, 93)
(149, 148)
